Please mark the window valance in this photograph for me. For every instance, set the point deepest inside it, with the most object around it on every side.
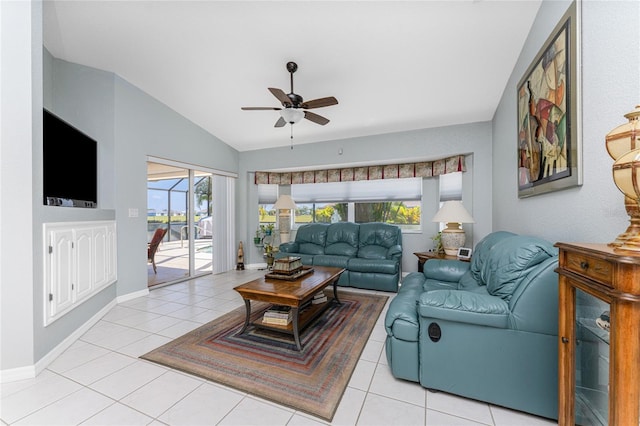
(389, 171)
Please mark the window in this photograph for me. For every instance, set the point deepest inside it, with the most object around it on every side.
(395, 201)
(450, 187)
(267, 196)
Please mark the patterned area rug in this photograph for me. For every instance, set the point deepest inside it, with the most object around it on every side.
(267, 364)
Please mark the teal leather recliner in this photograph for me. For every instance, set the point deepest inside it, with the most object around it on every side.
(485, 329)
(370, 252)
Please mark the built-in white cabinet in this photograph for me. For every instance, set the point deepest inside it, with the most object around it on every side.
(79, 261)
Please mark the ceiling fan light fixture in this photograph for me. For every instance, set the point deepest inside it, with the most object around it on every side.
(292, 115)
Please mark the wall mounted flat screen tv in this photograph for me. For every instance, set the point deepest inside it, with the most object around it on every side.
(70, 160)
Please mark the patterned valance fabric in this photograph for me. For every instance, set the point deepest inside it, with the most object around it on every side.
(389, 171)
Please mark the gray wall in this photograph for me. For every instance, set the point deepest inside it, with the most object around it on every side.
(145, 127)
(427, 144)
(129, 125)
(610, 88)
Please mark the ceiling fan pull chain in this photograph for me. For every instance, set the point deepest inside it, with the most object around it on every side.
(291, 136)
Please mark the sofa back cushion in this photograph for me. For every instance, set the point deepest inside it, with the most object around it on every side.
(342, 239)
(312, 238)
(510, 261)
(482, 251)
(376, 238)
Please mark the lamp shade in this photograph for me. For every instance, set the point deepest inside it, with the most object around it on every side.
(285, 202)
(453, 214)
(292, 115)
(453, 211)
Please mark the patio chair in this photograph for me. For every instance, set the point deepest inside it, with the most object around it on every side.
(152, 247)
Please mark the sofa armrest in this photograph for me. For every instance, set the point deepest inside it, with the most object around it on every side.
(394, 252)
(289, 247)
(445, 270)
(464, 306)
(403, 307)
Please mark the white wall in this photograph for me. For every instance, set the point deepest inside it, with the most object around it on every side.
(610, 88)
(426, 144)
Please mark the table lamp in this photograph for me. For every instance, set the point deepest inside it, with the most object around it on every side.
(284, 206)
(454, 215)
(623, 145)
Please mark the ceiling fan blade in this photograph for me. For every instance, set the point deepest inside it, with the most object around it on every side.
(318, 119)
(260, 108)
(282, 97)
(280, 123)
(319, 103)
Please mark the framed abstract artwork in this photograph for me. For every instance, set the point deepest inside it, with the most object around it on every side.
(549, 123)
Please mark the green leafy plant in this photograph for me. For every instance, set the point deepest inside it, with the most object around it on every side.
(437, 243)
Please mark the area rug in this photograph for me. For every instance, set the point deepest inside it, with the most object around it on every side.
(267, 364)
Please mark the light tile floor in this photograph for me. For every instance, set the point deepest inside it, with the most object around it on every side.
(99, 380)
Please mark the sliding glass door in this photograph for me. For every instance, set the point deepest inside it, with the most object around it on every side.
(180, 200)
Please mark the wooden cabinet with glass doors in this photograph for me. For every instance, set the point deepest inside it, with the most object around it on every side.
(598, 335)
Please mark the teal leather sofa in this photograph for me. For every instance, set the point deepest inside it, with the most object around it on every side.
(371, 252)
(485, 329)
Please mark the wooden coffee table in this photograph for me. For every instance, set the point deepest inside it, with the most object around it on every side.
(293, 293)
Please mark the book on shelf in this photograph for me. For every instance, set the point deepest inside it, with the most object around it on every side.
(278, 315)
(276, 321)
(319, 298)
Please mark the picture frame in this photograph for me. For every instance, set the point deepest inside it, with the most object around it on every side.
(549, 142)
(464, 253)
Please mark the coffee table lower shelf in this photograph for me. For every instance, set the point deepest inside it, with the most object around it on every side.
(304, 317)
(300, 319)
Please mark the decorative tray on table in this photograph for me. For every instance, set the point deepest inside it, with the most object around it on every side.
(288, 268)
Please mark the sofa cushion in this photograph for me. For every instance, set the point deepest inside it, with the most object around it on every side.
(373, 265)
(511, 260)
(376, 238)
(331, 260)
(372, 252)
(464, 306)
(483, 251)
(311, 238)
(342, 239)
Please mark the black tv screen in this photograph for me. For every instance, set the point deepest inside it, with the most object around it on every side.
(70, 173)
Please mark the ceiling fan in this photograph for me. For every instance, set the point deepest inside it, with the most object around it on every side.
(293, 106)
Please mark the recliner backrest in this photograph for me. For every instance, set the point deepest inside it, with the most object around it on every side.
(482, 251)
(510, 260)
(312, 237)
(342, 239)
(376, 238)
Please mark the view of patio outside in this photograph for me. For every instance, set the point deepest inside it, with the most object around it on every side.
(167, 207)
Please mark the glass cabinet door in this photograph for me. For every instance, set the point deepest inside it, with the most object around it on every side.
(592, 360)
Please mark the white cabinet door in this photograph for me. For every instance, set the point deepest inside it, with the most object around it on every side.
(112, 264)
(81, 261)
(100, 256)
(84, 262)
(60, 273)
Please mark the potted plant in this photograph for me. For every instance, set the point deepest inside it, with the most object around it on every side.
(267, 229)
(437, 243)
(257, 240)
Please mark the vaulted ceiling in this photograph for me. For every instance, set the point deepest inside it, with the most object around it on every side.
(392, 65)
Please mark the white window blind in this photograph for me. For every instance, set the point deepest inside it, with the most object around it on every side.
(267, 193)
(451, 186)
(358, 191)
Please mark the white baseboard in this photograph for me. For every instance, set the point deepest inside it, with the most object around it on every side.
(134, 295)
(256, 266)
(31, 371)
